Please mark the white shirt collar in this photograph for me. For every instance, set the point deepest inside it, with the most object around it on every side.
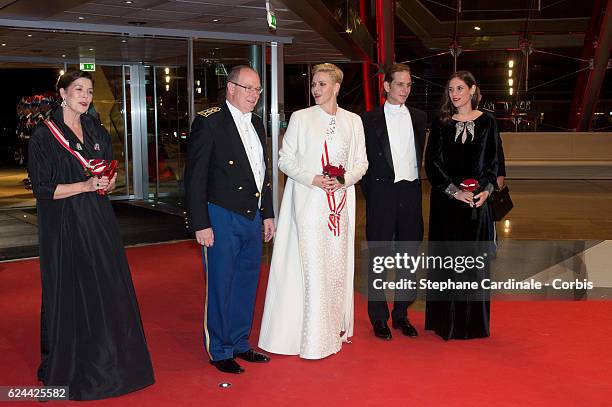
(395, 109)
(237, 114)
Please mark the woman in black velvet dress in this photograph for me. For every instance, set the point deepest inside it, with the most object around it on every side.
(462, 145)
(92, 338)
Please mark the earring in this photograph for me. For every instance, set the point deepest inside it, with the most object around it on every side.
(64, 104)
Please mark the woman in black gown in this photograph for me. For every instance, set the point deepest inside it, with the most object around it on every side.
(92, 338)
(462, 145)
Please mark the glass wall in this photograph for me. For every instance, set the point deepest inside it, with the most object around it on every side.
(153, 148)
(168, 109)
(28, 106)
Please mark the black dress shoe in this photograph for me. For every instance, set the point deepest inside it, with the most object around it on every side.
(381, 330)
(227, 366)
(252, 356)
(406, 327)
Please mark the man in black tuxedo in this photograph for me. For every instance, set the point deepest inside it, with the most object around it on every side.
(395, 138)
(228, 197)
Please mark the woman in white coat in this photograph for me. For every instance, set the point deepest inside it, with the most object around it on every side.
(309, 300)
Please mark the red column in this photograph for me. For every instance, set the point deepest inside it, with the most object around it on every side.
(365, 66)
(598, 45)
(385, 22)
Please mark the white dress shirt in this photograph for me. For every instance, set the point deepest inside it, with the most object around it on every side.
(251, 143)
(401, 139)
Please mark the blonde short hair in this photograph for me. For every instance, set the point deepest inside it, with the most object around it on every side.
(334, 72)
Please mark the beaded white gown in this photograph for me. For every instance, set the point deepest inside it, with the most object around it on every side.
(309, 299)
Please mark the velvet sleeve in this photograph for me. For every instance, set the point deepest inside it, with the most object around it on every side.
(40, 166)
(434, 159)
(490, 163)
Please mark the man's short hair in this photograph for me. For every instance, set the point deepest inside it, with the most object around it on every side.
(234, 73)
(393, 69)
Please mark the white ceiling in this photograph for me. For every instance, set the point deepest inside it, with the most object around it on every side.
(247, 17)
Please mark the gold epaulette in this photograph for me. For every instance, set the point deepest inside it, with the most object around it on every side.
(208, 112)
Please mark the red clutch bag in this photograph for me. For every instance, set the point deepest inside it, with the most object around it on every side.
(469, 185)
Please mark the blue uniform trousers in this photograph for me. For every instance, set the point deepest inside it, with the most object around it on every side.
(232, 275)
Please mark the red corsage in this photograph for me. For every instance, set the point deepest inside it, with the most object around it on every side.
(335, 172)
(98, 167)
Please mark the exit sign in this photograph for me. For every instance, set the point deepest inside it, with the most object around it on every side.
(88, 67)
(271, 15)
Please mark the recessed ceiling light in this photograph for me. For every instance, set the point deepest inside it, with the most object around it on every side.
(81, 18)
(216, 20)
(3, 44)
(477, 28)
(29, 35)
(63, 55)
(128, 1)
(91, 49)
(124, 40)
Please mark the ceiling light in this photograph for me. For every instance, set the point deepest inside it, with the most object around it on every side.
(128, 1)
(477, 28)
(3, 44)
(91, 49)
(511, 64)
(510, 82)
(63, 55)
(167, 79)
(167, 71)
(29, 35)
(124, 40)
(509, 73)
(216, 20)
(81, 18)
(511, 91)
(167, 88)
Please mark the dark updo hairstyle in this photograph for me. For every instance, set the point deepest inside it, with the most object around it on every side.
(66, 79)
(447, 110)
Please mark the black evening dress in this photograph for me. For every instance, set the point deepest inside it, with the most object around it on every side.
(92, 338)
(449, 159)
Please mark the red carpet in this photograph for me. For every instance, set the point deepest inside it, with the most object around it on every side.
(540, 354)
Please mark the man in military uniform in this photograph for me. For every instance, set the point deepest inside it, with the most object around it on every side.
(228, 197)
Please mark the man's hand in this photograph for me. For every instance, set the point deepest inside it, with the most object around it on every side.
(269, 229)
(205, 237)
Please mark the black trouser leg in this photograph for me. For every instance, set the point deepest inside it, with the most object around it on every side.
(409, 229)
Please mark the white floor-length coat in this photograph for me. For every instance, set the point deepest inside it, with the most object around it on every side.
(303, 314)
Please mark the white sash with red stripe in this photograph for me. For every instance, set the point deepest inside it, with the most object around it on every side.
(96, 166)
(333, 222)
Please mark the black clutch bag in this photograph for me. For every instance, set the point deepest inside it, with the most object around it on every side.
(500, 203)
